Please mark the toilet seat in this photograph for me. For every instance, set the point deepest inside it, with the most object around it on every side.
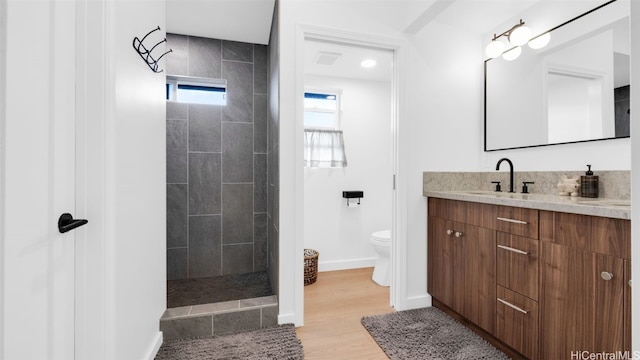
(383, 236)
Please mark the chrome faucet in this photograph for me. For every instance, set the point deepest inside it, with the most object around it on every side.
(510, 172)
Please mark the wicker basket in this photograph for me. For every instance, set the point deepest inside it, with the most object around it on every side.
(310, 266)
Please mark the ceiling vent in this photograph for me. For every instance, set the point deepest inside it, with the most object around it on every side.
(326, 58)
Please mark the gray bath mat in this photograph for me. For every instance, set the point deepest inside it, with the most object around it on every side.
(278, 342)
(427, 334)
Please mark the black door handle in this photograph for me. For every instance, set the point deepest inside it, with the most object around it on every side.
(66, 222)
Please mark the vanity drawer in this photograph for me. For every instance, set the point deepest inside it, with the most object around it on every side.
(516, 221)
(517, 322)
(476, 214)
(602, 235)
(517, 263)
(447, 209)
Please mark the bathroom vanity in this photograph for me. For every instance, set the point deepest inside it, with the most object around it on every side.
(540, 276)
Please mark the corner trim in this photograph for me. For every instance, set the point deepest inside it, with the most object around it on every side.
(287, 319)
(155, 346)
(414, 302)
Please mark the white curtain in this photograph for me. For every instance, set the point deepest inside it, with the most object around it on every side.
(324, 148)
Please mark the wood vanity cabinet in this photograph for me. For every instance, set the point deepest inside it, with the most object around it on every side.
(544, 283)
(585, 295)
(461, 263)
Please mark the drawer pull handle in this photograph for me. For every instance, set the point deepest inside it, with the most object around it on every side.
(449, 232)
(513, 306)
(513, 250)
(605, 275)
(458, 234)
(512, 221)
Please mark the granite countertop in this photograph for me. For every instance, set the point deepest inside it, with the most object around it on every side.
(612, 208)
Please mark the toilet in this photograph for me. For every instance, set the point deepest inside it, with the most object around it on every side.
(381, 241)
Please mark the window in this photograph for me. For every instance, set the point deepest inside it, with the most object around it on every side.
(196, 90)
(321, 110)
(323, 139)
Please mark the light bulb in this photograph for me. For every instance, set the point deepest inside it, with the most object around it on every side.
(494, 49)
(519, 35)
(512, 54)
(540, 41)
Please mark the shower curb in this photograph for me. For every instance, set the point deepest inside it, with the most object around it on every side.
(219, 318)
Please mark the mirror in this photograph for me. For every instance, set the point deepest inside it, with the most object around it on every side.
(573, 90)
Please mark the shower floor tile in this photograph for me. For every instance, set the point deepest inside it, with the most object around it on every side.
(186, 292)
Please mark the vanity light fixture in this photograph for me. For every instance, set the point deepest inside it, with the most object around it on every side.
(517, 36)
(540, 41)
(512, 54)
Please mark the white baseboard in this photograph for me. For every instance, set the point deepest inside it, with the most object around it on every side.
(414, 302)
(287, 319)
(346, 264)
(155, 346)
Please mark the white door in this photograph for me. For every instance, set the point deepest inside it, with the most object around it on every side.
(37, 124)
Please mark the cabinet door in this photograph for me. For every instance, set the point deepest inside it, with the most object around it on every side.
(440, 260)
(461, 269)
(446, 263)
(566, 301)
(478, 260)
(580, 309)
(609, 327)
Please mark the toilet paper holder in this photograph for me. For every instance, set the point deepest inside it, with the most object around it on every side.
(353, 195)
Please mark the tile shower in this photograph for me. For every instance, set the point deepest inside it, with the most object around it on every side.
(218, 221)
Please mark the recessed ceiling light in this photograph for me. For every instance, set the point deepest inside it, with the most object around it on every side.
(369, 63)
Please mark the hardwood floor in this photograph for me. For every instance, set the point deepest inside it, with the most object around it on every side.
(333, 307)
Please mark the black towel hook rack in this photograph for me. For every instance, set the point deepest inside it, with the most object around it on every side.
(146, 55)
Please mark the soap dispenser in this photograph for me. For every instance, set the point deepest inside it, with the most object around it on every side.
(589, 184)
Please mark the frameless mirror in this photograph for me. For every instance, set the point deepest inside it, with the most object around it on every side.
(573, 90)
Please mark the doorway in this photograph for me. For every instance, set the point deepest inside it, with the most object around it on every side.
(355, 221)
(347, 126)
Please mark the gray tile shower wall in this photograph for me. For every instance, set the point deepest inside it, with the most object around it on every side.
(217, 162)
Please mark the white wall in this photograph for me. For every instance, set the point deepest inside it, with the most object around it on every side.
(341, 234)
(136, 183)
(445, 127)
(120, 155)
